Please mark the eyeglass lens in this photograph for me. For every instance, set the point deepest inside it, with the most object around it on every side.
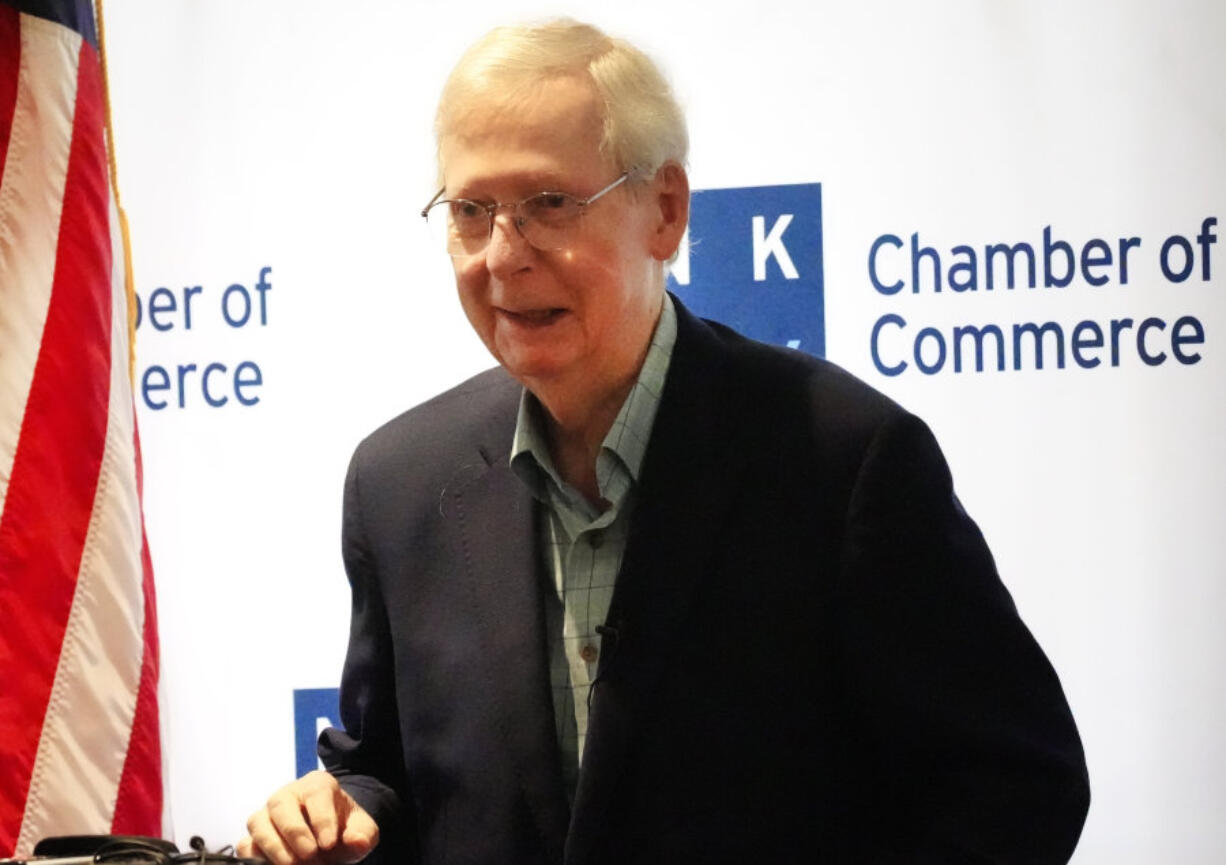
(547, 221)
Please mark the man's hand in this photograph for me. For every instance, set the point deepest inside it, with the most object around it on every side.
(311, 820)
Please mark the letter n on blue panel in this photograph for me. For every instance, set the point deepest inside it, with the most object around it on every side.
(314, 708)
(755, 263)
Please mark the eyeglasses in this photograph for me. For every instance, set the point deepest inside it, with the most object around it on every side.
(547, 220)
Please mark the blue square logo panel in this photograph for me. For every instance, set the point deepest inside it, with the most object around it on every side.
(314, 709)
(755, 263)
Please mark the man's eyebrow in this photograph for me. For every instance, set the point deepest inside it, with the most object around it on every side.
(526, 184)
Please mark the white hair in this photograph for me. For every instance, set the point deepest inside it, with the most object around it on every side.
(644, 126)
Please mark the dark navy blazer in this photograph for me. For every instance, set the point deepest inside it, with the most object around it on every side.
(813, 658)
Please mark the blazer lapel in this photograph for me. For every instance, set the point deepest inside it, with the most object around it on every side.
(498, 535)
(686, 484)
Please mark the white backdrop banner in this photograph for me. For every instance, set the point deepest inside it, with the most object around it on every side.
(1006, 215)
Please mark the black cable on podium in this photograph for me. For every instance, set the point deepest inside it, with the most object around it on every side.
(126, 850)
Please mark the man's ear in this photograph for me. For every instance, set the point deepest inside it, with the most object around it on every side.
(670, 191)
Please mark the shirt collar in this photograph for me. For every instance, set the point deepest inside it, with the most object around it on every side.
(624, 445)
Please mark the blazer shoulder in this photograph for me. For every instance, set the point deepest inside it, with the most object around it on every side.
(475, 416)
(797, 390)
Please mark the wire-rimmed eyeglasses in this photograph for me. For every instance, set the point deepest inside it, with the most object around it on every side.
(547, 220)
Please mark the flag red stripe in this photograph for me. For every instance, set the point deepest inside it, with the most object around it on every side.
(10, 67)
(138, 808)
(55, 469)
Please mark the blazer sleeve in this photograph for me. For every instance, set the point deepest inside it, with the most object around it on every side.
(366, 754)
(978, 752)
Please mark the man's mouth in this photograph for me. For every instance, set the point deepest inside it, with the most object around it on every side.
(534, 317)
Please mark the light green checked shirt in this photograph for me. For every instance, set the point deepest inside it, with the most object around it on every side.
(582, 545)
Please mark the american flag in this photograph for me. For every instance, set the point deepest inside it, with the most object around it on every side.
(79, 744)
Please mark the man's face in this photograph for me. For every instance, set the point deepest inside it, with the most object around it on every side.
(570, 320)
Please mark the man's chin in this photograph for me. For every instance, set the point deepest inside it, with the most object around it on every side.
(535, 351)
(532, 366)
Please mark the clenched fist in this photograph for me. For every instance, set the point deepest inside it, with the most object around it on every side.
(311, 820)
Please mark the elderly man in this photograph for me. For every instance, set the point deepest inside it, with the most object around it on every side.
(650, 591)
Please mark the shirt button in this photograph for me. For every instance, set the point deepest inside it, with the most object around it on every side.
(596, 539)
(589, 653)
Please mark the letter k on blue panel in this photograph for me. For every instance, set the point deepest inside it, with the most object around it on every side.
(755, 263)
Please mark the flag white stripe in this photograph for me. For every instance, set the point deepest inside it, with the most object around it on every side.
(168, 817)
(31, 201)
(85, 735)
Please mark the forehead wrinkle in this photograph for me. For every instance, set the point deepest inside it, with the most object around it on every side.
(506, 101)
(534, 115)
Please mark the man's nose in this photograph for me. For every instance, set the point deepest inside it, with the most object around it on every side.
(507, 251)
